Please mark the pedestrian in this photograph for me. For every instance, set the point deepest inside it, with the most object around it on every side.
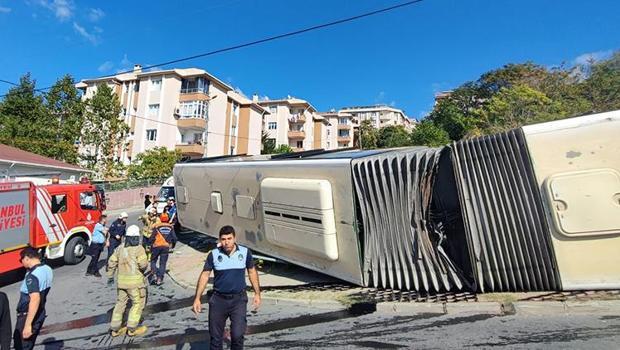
(130, 262)
(171, 210)
(149, 219)
(5, 322)
(32, 297)
(229, 299)
(162, 239)
(147, 200)
(116, 233)
(96, 247)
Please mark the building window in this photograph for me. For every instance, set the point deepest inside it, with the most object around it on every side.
(151, 135)
(235, 109)
(272, 125)
(328, 144)
(273, 109)
(194, 109)
(59, 203)
(328, 132)
(343, 121)
(343, 133)
(300, 144)
(154, 109)
(194, 85)
(155, 84)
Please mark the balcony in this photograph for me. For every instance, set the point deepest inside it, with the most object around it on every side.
(193, 94)
(344, 138)
(297, 118)
(344, 126)
(191, 149)
(296, 134)
(192, 123)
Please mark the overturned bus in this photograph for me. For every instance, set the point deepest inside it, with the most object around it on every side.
(534, 208)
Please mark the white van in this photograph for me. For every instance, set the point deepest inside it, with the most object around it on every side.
(166, 191)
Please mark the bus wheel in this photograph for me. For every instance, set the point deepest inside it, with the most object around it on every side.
(75, 250)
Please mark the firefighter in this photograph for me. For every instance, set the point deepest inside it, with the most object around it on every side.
(162, 239)
(116, 233)
(171, 210)
(148, 220)
(130, 261)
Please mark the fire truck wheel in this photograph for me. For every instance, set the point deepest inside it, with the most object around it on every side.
(75, 250)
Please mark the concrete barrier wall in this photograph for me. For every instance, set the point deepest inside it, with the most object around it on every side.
(129, 198)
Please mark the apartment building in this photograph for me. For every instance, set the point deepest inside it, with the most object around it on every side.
(294, 122)
(339, 129)
(379, 115)
(187, 109)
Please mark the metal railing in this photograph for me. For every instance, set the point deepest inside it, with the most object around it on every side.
(193, 90)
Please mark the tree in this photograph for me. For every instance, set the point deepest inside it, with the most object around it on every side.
(602, 87)
(156, 163)
(367, 135)
(103, 133)
(47, 124)
(393, 136)
(23, 120)
(283, 149)
(268, 144)
(66, 112)
(516, 106)
(427, 133)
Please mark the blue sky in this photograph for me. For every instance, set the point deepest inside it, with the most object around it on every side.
(400, 58)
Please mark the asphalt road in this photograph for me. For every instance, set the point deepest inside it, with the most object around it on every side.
(79, 309)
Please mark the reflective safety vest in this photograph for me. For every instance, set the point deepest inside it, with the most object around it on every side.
(131, 262)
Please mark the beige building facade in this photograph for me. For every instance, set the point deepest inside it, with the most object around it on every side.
(294, 122)
(339, 130)
(379, 115)
(187, 109)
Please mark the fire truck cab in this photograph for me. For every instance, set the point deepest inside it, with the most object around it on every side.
(57, 219)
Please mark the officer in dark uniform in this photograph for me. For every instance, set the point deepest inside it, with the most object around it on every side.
(229, 261)
(32, 298)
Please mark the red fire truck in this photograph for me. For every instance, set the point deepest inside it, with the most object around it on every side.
(57, 219)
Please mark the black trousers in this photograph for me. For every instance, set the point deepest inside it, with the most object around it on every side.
(26, 344)
(113, 245)
(94, 251)
(5, 323)
(161, 254)
(222, 307)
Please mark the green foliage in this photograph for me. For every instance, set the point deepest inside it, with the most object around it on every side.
(428, 134)
(283, 149)
(393, 136)
(44, 124)
(368, 135)
(268, 144)
(103, 133)
(156, 163)
(515, 106)
(519, 94)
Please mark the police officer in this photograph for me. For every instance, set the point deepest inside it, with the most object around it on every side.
(116, 233)
(229, 300)
(130, 261)
(32, 298)
(96, 247)
(162, 239)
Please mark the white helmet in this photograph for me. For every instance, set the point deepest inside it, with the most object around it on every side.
(123, 215)
(133, 231)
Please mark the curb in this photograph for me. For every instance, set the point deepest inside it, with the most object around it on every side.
(602, 307)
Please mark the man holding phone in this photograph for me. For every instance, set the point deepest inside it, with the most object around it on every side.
(229, 261)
